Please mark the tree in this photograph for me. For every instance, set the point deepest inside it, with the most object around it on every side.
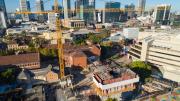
(79, 42)
(7, 76)
(142, 69)
(23, 33)
(94, 38)
(111, 99)
(48, 53)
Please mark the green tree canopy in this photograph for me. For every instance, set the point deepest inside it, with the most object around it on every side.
(142, 69)
(7, 76)
(111, 99)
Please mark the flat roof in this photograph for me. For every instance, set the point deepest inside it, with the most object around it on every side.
(114, 74)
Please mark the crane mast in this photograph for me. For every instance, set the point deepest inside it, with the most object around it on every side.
(59, 39)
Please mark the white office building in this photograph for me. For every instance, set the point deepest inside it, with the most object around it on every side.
(162, 50)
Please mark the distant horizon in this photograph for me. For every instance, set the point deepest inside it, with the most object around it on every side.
(14, 4)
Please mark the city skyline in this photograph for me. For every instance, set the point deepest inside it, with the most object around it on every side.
(11, 6)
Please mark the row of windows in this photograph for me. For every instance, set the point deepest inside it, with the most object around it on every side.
(165, 53)
(164, 62)
(134, 55)
(136, 51)
(165, 58)
(29, 64)
(138, 47)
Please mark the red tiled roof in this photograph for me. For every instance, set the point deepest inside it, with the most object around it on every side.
(19, 59)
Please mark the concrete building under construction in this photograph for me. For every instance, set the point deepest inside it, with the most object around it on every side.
(112, 82)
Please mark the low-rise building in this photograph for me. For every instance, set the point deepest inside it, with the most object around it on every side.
(112, 82)
(27, 61)
(45, 74)
(73, 23)
(81, 56)
(79, 34)
(16, 46)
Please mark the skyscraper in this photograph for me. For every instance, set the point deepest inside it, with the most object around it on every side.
(79, 8)
(40, 8)
(112, 16)
(25, 6)
(85, 9)
(130, 10)
(3, 23)
(162, 14)
(3, 10)
(89, 16)
(2, 6)
(67, 8)
(28, 5)
(141, 6)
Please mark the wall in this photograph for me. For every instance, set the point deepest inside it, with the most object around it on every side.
(51, 77)
(80, 61)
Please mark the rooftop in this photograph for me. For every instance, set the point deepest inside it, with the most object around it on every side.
(114, 74)
(19, 59)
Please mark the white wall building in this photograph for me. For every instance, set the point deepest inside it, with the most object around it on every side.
(162, 50)
(131, 33)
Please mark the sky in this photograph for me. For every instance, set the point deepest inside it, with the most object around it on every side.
(11, 5)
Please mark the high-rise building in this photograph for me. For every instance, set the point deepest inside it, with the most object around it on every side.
(39, 5)
(3, 9)
(25, 6)
(78, 8)
(85, 9)
(99, 16)
(61, 11)
(162, 14)
(28, 5)
(40, 8)
(112, 16)
(2, 6)
(3, 23)
(67, 8)
(130, 11)
(141, 6)
(89, 11)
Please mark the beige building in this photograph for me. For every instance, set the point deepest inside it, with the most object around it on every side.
(15, 46)
(73, 23)
(162, 50)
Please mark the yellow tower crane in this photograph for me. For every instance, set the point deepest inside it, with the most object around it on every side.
(59, 34)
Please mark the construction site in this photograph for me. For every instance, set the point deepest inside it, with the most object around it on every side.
(86, 50)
